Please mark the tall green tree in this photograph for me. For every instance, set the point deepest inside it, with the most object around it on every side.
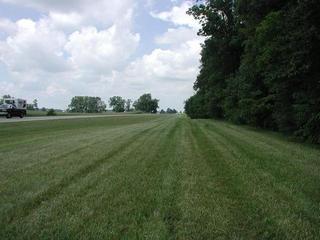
(260, 64)
(146, 104)
(86, 104)
(220, 56)
(128, 105)
(117, 103)
(171, 111)
(35, 104)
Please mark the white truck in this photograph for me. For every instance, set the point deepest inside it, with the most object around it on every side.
(10, 107)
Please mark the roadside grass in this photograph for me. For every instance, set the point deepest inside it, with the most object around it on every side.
(39, 113)
(155, 177)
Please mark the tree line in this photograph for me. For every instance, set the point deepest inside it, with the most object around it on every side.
(169, 111)
(260, 64)
(86, 104)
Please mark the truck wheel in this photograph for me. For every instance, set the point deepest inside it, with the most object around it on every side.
(9, 115)
(21, 115)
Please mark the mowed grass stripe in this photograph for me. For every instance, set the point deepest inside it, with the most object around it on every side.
(162, 220)
(25, 208)
(45, 130)
(276, 204)
(47, 155)
(245, 212)
(135, 142)
(211, 208)
(197, 198)
(65, 145)
(159, 177)
(127, 172)
(292, 154)
(273, 165)
(51, 171)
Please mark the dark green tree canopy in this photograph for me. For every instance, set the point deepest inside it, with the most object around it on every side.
(85, 104)
(146, 104)
(128, 105)
(51, 112)
(171, 111)
(260, 64)
(117, 103)
(35, 103)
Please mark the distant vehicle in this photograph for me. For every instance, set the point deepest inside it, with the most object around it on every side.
(11, 107)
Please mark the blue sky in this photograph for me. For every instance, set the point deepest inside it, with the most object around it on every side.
(54, 50)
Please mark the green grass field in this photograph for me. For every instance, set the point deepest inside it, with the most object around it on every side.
(155, 177)
(38, 113)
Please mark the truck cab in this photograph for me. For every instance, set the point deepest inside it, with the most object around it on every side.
(11, 107)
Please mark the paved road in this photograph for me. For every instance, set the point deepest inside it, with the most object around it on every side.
(28, 119)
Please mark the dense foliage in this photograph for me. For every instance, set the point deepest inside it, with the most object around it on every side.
(51, 112)
(260, 64)
(146, 104)
(171, 111)
(85, 104)
(128, 105)
(117, 103)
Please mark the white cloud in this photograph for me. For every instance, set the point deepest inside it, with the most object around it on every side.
(54, 89)
(48, 4)
(179, 64)
(65, 21)
(76, 48)
(66, 6)
(33, 47)
(64, 38)
(179, 61)
(66, 53)
(85, 12)
(7, 26)
(101, 51)
(168, 73)
(178, 16)
(176, 36)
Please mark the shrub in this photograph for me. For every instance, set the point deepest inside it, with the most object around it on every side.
(51, 112)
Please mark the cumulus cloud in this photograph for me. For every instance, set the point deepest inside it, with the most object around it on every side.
(65, 21)
(33, 46)
(179, 59)
(85, 12)
(62, 41)
(76, 48)
(7, 26)
(169, 64)
(176, 36)
(171, 69)
(69, 50)
(177, 15)
(167, 74)
(48, 4)
(101, 51)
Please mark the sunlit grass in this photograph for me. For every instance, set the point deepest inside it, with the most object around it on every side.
(154, 177)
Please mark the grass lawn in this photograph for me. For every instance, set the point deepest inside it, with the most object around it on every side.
(155, 177)
(39, 113)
